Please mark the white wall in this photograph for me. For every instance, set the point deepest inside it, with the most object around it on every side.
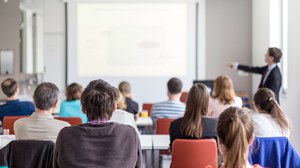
(260, 43)
(228, 39)
(290, 104)
(54, 43)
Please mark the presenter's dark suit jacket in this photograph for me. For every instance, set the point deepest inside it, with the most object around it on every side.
(273, 80)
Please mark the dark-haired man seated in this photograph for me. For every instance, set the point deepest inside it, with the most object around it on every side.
(13, 106)
(98, 143)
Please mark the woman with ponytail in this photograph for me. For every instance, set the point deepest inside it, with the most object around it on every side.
(235, 135)
(270, 121)
(194, 124)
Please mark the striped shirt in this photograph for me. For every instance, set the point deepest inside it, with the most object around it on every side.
(167, 109)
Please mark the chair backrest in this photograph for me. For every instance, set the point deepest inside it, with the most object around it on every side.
(70, 120)
(183, 97)
(8, 123)
(189, 153)
(148, 107)
(273, 152)
(163, 125)
(27, 154)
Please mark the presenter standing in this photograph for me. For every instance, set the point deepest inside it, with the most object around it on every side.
(271, 76)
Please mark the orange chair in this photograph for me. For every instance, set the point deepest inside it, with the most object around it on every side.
(189, 153)
(148, 107)
(183, 97)
(163, 125)
(8, 123)
(70, 120)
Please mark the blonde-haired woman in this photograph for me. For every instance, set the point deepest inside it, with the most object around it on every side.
(235, 135)
(120, 115)
(223, 97)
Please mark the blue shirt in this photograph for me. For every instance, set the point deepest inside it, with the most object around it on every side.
(72, 108)
(16, 108)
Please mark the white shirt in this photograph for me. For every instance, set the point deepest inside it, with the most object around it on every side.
(123, 117)
(270, 68)
(266, 126)
(215, 107)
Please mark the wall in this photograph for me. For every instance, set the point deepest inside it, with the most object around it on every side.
(228, 39)
(54, 42)
(260, 43)
(9, 35)
(290, 103)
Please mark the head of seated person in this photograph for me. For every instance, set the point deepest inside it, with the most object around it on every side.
(99, 135)
(10, 88)
(73, 92)
(235, 134)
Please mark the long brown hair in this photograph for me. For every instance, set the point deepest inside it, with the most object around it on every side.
(235, 130)
(265, 99)
(223, 90)
(196, 107)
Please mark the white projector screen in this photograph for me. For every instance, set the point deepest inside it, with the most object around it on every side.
(142, 43)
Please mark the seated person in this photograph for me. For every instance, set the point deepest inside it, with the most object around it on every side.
(270, 121)
(194, 124)
(72, 107)
(13, 106)
(98, 143)
(41, 125)
(173, 107)
(132, 106)
(121, 116)
(223, 97)
(235, 135)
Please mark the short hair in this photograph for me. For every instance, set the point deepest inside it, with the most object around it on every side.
(275, 53)
(73, 91)
(174, 85)
(98, 100)
(9, 87)
(125, 87)
(45, 95)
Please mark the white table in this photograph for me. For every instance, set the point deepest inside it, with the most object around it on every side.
(151, 153)
(144, 121)
(5, 139)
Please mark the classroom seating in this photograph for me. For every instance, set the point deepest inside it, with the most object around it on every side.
(163, 125)
(8, 121)
(189, 153)
(147, 107)
(273, 152)
(27, 154)
(183, 97)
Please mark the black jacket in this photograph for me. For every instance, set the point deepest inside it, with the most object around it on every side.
(273, 80)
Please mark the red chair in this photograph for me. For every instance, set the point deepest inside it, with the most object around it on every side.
(8, 123)
(194, 153)
(147, 107)
(183, 97)
(163, 125)
(70, 120)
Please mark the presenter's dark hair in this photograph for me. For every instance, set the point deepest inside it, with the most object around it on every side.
(45, 95)
(98, 100)
(275, 53)
(174, 85)
(9, 87)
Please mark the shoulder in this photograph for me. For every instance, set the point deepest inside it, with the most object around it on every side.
(176, 122)
(60, 123)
